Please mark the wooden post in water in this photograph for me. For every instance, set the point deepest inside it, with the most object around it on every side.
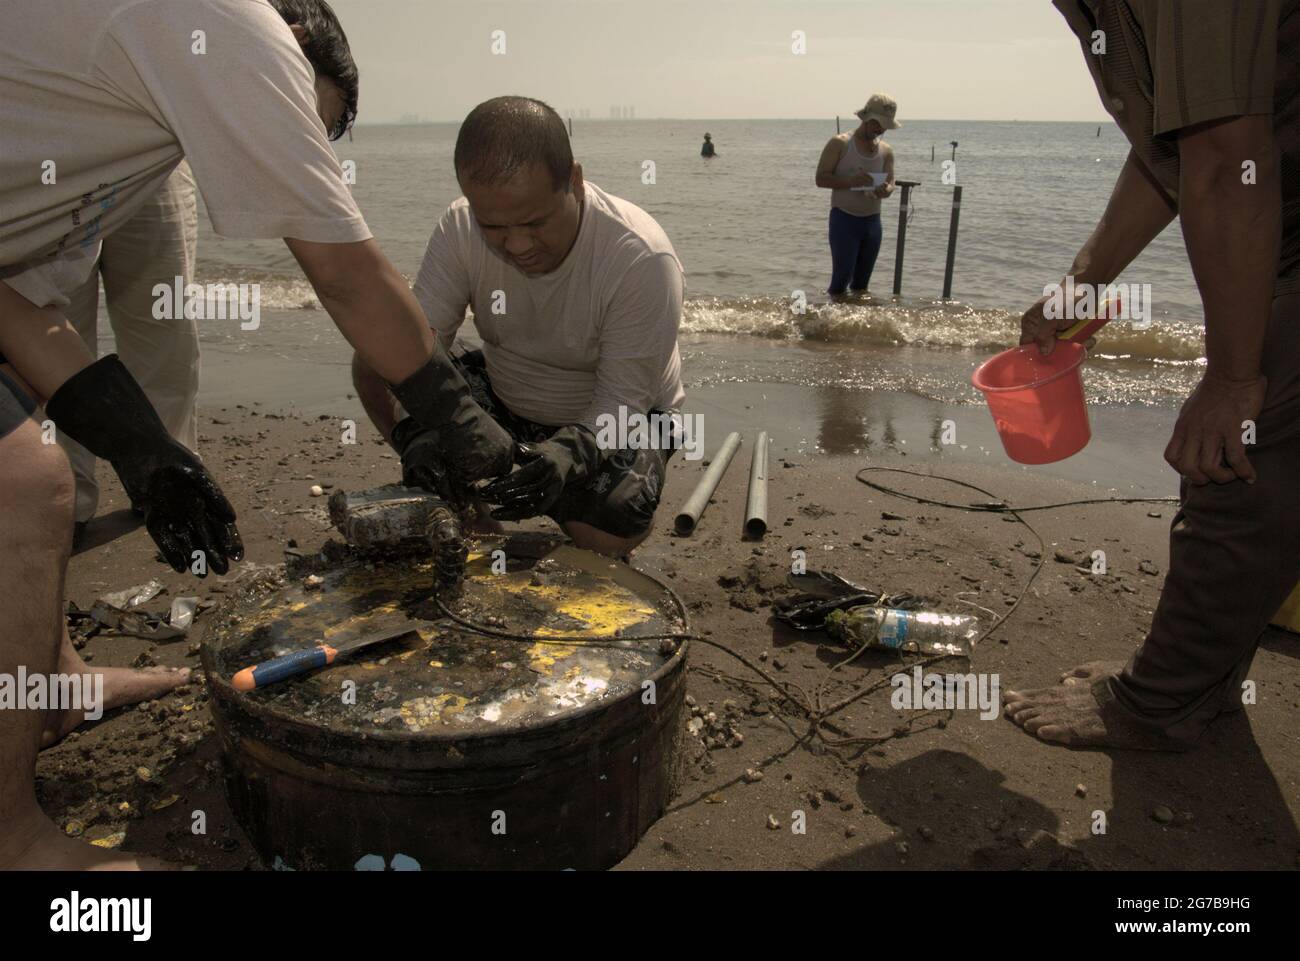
(570, 125)
(837, 124)
(904, 207)
(931, 153)
(952, 242)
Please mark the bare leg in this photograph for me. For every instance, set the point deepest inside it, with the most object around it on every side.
(37, 491)
(122, 686)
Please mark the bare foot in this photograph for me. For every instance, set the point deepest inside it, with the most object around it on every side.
(49, 849)
(1088, 674)
(1073, 715)
(123, 686)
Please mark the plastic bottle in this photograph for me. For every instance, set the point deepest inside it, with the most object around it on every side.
(924, 632)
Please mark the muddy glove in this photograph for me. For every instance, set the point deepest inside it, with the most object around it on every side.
(469, 440)
(571, 456)
(104, 410)
(423, 462)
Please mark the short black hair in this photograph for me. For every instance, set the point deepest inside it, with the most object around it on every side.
(503, 135)
(327, 50)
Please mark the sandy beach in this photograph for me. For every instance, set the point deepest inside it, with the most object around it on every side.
(922, 790)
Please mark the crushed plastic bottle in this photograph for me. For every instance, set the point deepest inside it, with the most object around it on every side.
(924, 632)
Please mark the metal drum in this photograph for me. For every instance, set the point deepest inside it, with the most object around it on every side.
(447, 748)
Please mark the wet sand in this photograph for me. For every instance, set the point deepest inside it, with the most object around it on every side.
(924, 790)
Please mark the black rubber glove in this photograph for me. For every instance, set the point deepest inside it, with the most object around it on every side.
(469, 440)
(423, 463)
(570, 456)
(103, 409)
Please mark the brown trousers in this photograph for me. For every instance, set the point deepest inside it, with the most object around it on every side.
(155, 246)
(1234, 556)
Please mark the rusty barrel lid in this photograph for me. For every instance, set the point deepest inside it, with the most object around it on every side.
(446, 696)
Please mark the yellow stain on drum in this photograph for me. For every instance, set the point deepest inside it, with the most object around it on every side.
(477, 563)
(603, 609)
(422, 713)
(604, 614)
(541, 657)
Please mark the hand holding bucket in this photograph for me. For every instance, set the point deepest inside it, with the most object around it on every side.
(1037, 402)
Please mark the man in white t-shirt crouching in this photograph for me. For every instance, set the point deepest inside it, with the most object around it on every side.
(577, 296)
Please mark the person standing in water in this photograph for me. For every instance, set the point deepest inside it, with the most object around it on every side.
(707, 150)
(858, 169)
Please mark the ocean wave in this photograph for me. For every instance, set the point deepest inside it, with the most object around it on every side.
(929, 324)
(925, 324)
(275, 292)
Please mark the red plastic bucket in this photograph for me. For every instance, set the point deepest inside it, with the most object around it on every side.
(1037, 402)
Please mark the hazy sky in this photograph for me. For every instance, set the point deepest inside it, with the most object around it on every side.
(941, 59)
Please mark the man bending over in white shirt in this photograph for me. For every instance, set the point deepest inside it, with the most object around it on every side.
(115, 94)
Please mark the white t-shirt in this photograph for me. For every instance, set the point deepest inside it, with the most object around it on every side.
(596, 333)
(114, 93)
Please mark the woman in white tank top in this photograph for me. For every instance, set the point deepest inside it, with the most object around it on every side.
(858, 169)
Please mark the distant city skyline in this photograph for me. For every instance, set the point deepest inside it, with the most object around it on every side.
(847, 119)
(719, 59)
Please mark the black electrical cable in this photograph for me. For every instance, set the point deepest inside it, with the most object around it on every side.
(995, 506)
(810, 707)
(609, 640)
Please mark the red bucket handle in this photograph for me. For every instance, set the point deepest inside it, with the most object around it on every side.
(1086, 328)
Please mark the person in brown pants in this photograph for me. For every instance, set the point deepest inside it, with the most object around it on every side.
(1208, 95)
(155, 247)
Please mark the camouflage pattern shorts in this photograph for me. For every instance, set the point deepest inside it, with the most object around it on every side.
(15, 405)
(620, 500)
